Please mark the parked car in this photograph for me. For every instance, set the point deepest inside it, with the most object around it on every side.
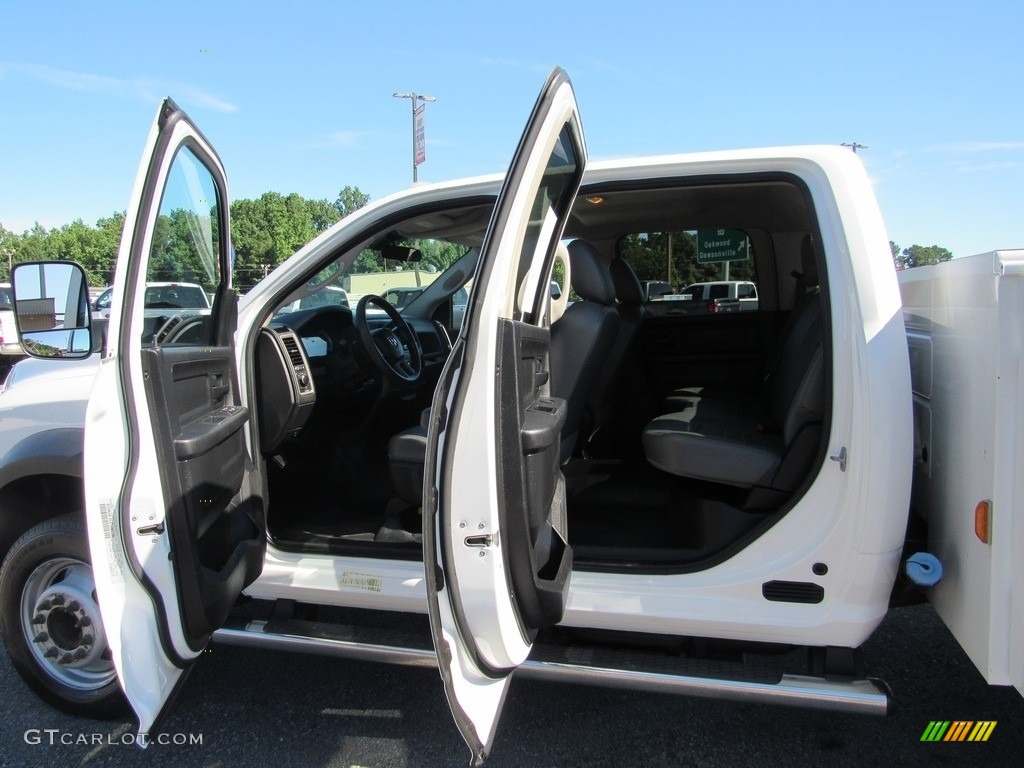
(722, 296)
(656, 289)
(171, 295)
(730, 524)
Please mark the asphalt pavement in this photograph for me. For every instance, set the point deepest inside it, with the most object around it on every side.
(253, 707)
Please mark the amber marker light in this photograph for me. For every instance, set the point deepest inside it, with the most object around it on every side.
(983, 520)
(595, 200)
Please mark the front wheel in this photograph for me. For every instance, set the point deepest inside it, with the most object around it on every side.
(50, 620)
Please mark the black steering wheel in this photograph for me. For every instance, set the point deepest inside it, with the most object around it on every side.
(392, 348)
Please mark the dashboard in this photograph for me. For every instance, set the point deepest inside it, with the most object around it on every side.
(328, 358)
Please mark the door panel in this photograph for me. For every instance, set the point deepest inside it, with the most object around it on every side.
(532, 499)
(176, 528)
(217, 539)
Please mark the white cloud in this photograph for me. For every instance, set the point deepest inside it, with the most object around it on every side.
(982, 167)
(192, 95)
(971, 147)
(345, 139)
(146, 89)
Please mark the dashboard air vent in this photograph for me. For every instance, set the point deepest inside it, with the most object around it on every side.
(293, 350)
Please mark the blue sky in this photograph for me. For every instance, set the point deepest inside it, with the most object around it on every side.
(297, 96)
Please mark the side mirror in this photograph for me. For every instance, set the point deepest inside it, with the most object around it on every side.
(51, 309)
(556, 291)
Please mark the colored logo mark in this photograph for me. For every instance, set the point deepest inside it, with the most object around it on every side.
(958, 730)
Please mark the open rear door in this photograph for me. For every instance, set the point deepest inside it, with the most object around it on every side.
(496, 551)
(176, 530)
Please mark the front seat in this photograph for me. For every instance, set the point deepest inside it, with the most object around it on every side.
(582, 338)
(580, 342)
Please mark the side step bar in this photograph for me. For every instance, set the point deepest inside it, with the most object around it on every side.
(409, 649)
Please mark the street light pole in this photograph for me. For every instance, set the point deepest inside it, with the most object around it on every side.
(854, 146)
(413, 98)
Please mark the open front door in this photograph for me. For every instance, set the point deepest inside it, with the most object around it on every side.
(496, 550)
(176, 528)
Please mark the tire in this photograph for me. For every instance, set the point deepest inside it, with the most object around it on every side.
(50, 622)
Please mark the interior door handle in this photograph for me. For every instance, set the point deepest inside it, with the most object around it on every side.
(218, 389)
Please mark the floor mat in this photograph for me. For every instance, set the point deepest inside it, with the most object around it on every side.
(631, 512)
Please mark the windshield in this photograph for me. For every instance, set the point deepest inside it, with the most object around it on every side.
(441, 271)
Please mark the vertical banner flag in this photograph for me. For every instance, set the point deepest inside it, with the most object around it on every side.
(420, 141)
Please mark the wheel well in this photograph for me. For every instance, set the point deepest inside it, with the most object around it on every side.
(27, 501)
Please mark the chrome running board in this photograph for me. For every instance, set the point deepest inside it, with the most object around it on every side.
(616, 669)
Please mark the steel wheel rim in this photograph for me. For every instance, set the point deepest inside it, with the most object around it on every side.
(61, 622)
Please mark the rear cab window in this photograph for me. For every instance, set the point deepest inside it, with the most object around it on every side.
(702, 271)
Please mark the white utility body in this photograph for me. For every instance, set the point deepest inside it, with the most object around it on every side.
(965, 329)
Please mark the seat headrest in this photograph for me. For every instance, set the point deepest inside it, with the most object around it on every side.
(809, 262)
(590, 276)
(628, 289)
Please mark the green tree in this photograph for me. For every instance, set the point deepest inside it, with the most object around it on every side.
(439, 254)
(33, 245)
(366, 262)
(922, 256)
(92, 248)
(252, 241)
(111, 230)
(265, 232)
(322, 213)
(8, 247)
(350, 199)
(268, 230)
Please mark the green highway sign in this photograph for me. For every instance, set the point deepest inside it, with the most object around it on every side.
(715, 245)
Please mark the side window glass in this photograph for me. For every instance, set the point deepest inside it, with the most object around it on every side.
(551, 202)
(704, 271)
(183, 270)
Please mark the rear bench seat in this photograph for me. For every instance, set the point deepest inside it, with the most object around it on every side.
(746, 441)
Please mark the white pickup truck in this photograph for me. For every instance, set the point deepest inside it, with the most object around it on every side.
(721, 296)
(714, 505)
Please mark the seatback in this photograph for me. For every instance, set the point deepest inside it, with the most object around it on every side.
(629, 296)
(801, 338)
(582, 338)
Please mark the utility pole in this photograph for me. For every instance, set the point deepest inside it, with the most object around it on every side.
(418, 149)
(854, 146)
